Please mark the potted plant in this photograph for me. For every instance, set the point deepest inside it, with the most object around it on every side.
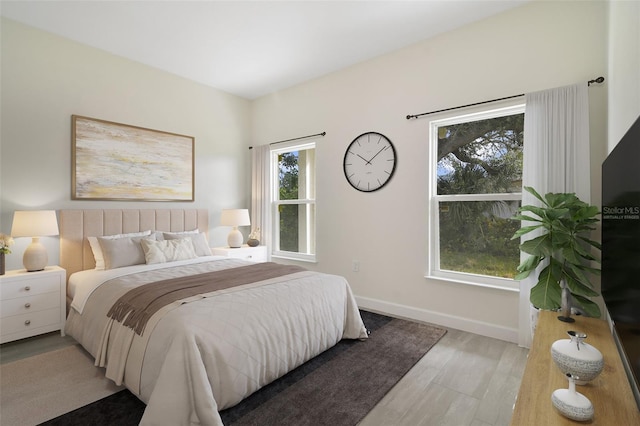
(565, 222)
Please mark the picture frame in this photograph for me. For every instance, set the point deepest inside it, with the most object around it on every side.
(114, 161)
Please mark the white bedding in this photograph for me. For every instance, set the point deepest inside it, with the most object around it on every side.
(206, 355)
(82, 284)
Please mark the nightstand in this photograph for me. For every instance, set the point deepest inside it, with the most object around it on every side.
(256, 254)
(32, 303)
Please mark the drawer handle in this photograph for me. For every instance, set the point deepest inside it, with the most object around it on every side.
(27, 305)
(27, 322)
(27, 288)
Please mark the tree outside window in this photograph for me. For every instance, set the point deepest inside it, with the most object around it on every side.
(476, 188)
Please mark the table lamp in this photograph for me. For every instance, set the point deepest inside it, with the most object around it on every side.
(235, 218)
(34, 224)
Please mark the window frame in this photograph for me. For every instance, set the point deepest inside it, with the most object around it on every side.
(310, 203)
(513, 107)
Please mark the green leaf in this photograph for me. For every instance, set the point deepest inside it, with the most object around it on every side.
(546, 293)
(555, 214)
(587, 305)
(591, 242)
(538, 211)
(526, 218)
(579, 275)
(582, 252)
(585, 213)
(571, 256)
(527, 266)
(578, 288)
(539, 246)
(524, 230)
(534, 193)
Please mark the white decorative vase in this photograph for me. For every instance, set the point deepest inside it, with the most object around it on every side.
(573, 356)
(572, 404)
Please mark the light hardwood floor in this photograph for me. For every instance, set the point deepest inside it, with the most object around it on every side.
(465, 379)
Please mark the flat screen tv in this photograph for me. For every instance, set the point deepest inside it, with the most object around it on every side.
(621, 248)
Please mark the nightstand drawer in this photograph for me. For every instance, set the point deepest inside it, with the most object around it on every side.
(253, 254)
(30, 321)
(29, 304)
(29, 286)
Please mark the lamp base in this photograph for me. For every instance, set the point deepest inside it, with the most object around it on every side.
(235, 238)
(35, 257)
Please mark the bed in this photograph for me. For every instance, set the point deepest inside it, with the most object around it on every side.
(191, 334)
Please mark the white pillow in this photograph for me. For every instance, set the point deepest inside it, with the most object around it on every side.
(167, 251)
(198, 239)
(119, 252)
(160, 234)
(97, 250)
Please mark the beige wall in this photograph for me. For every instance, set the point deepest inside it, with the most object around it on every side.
(534, 47)
(624, 68)
(45, 79)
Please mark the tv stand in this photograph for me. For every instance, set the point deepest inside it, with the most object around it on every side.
(610, 392)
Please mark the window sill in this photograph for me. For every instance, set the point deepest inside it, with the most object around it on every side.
(515, 286)
(307, 259)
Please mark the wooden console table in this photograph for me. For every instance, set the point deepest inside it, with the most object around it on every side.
(610, 392)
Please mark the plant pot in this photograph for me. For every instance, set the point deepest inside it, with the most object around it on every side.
(534, 313)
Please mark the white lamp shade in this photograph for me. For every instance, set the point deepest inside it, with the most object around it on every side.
(235, 218)
(35, 224)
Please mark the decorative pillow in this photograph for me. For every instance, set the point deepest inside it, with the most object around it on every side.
(198, 239)
(97, 250)
(193, 231)
(167, 250)
(119, 252)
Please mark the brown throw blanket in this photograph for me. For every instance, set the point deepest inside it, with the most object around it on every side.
(140, 303)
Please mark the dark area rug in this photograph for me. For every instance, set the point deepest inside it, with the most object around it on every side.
(338, 387)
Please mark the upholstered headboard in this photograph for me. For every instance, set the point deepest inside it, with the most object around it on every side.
(77, 225)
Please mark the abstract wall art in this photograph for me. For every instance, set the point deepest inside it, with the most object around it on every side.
(112, 161)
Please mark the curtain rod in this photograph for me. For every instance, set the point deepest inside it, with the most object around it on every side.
(410, 116)
(295, 139)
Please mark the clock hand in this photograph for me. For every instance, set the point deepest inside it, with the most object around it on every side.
(367, 161)
(376, 155)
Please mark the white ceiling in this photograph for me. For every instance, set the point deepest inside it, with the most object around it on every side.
(250, 48)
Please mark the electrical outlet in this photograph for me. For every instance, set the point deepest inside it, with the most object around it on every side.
(356, 266)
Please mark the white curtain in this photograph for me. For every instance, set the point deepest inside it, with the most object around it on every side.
(556, 159)
(260, 194)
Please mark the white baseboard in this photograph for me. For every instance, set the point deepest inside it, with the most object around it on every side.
(445, 320)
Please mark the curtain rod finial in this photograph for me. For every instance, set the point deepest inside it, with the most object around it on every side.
(596, 80)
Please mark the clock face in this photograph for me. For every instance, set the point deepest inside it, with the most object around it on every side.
(369, 162)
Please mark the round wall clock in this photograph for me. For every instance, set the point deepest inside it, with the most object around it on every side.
(369, 162)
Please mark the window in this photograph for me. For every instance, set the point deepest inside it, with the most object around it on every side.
(294, 203)
(475, 188)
